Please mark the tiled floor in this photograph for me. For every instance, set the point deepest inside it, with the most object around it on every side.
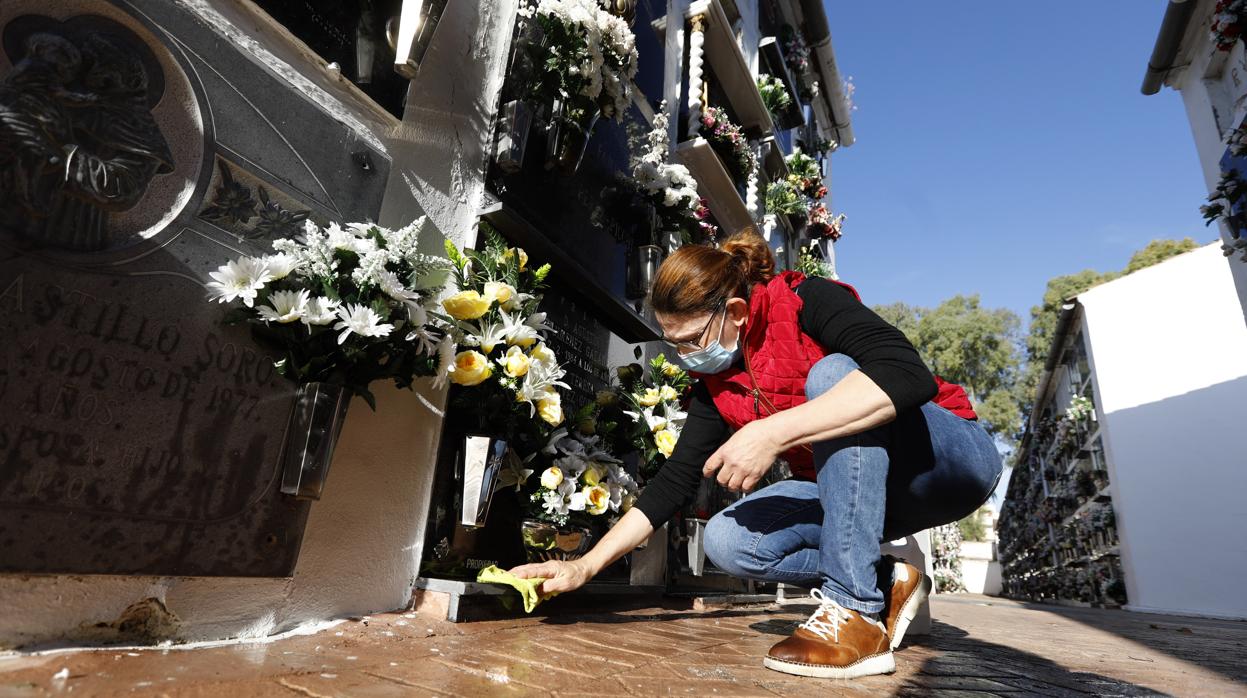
(979, 646)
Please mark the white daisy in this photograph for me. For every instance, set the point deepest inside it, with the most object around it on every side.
(445, 362)
(240, 279)
(284, 307)
(361, 320)
(320, 311)
(280, 265)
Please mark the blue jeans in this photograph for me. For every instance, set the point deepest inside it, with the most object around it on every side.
(926, 468)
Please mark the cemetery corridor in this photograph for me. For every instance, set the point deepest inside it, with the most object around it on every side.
(986, 645)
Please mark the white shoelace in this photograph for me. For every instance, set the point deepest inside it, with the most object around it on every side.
(826, 621)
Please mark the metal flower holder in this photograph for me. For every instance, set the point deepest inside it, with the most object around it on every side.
(315, 424)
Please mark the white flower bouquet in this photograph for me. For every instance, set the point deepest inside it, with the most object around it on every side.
(774, 95)
(342, 305)
(496, 354)
(586, 60)
(670, 187)
(583, 482)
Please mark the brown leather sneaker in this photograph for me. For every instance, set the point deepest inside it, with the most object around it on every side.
(835, 643)
(910, 587)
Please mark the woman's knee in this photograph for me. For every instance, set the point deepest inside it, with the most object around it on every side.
(726, 544)
(829, 370)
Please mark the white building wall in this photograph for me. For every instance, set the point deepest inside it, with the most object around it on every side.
(1214, 91)
(363, 541)
(1166, 349)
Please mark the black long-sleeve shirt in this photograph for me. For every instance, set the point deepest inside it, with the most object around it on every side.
(843, 325)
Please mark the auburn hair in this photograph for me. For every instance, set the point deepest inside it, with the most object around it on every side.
(697, 278)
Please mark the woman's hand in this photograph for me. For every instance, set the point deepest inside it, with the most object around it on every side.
(745, 458)
(560, 576)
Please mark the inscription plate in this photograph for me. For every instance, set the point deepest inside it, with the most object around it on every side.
(580, 342)
(138, 434)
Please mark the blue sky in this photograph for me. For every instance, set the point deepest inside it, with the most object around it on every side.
(1002, 143)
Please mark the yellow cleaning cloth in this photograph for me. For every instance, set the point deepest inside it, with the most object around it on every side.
(526, 587)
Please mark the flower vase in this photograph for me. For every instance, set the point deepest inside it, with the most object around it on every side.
(480, 461)
(568, 138)
(515, 120)
(642, 268)
(545, 541)
(311, 435)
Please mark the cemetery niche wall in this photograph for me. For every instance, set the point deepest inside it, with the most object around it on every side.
(140, 150)
(582, 219)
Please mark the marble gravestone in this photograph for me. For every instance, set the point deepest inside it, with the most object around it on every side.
(139, 150)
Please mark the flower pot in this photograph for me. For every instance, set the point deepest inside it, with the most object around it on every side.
(315, 423)
(642, 268)
(568, 138)
(480, 460)
(544, 541)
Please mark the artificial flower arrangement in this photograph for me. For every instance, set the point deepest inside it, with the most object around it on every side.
(823, 225)
(582, 482)
(1223, 200)
(496, 353)
(1237, 140)
(586, 60)
(670, 187)
(774, 94)
(784, 198)
(796, 52)
(728, 140)
(819, 146)
(807, 173)
(1080, 408)
(810, 265)
(1227, 23)
(653, 402)
(344, 305)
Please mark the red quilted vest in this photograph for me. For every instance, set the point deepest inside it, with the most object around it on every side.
(778, 357)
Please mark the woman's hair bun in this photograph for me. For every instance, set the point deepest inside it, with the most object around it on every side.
(749, 250)
(698, 278)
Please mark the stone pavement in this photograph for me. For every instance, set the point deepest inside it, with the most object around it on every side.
(979, 646)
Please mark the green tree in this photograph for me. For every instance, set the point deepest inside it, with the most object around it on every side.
(1158, 251)
(901, 316)
(965, 343)
(1060, 289)
(972, 527)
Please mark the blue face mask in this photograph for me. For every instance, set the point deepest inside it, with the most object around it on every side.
(712, 358)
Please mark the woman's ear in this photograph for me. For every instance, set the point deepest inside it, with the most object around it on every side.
(737, 311)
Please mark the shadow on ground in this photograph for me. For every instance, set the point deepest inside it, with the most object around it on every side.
(986, 668)
(1216, 645)
(970, 664)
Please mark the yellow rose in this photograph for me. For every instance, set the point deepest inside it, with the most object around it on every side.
(496, 290)
(665, 440)
(649, 398)
(466, 305)
(670, 370)
(514, 362)
(550, 409)
(542, 354)
(471, 368)
(552, 477)
(597, 499)
(607, 398)
(667, 393)
(512, 252)
(592, 475)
